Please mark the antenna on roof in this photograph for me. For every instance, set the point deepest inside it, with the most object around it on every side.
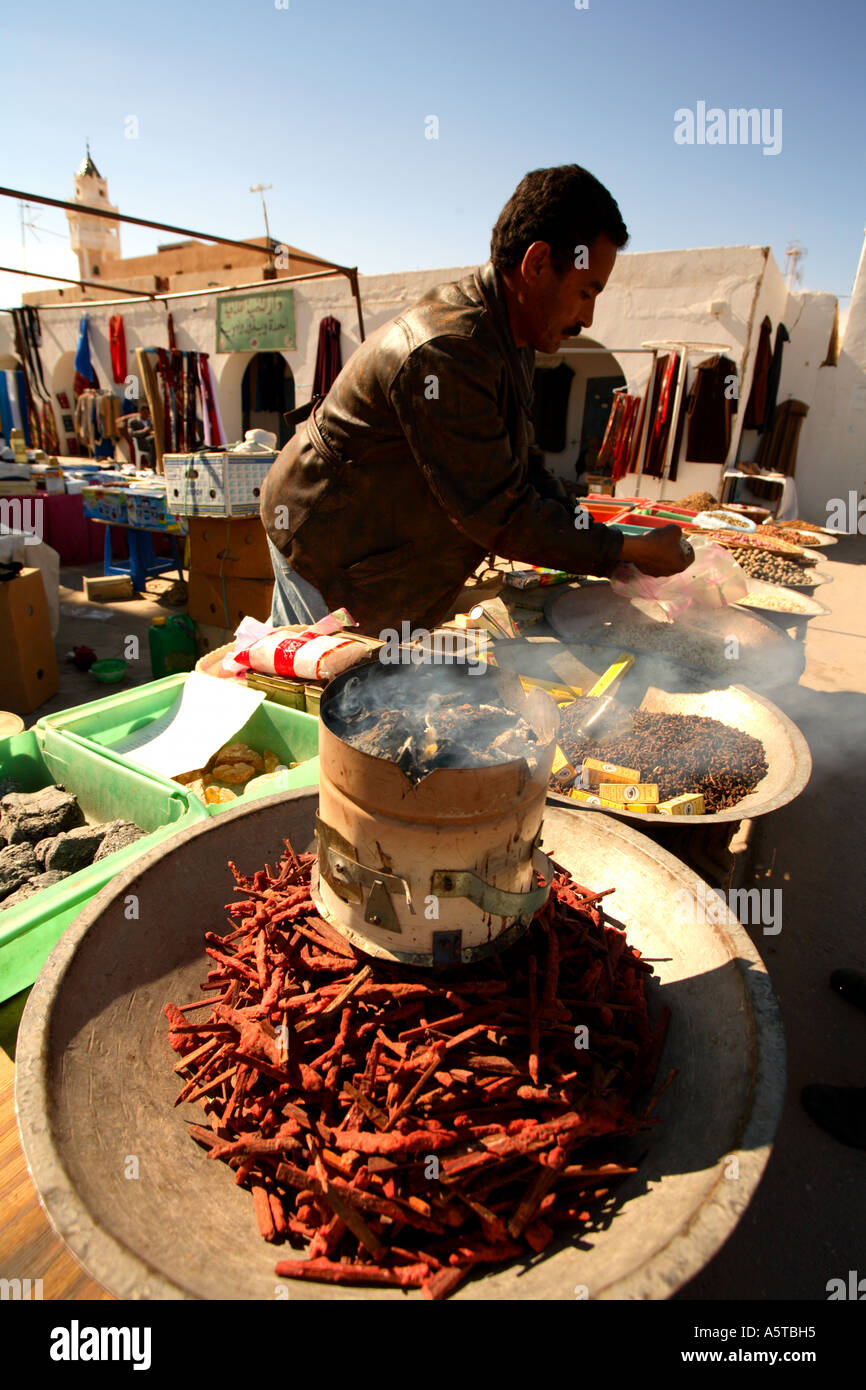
(794, 254)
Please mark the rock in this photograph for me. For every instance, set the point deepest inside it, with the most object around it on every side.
(33, 816)
(74, 849)
(18, 863)
(31, 888)
(118, 835)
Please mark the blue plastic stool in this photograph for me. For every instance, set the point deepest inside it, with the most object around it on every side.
(142, 564)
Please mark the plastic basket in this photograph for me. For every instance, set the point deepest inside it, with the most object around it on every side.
(292, 734)
(105, 791)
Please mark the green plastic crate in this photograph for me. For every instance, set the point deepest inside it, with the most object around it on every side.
(105, 791)
(102, 724)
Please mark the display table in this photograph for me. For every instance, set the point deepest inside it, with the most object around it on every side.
(64, 526)
(143, 563)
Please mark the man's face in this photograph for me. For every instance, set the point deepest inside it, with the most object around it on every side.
(552, 306)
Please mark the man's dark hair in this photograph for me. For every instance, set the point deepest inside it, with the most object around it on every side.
(565, 206)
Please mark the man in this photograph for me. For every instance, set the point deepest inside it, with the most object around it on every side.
(420, 459)
(139, 427)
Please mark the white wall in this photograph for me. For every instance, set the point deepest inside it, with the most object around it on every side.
(714, 295)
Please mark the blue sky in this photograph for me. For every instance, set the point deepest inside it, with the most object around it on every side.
(328, 100)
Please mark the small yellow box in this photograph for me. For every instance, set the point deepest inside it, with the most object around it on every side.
(561, 763)
(588, 798)
(596, 771)
(689, 804)
(648, 808)
(629, 791)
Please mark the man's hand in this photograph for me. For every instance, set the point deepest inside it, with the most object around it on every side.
(659, 552)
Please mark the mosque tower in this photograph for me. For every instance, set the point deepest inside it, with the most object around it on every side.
(95, 240)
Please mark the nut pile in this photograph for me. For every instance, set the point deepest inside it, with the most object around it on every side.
(405, 1126)
(775, 569)
(680, 752)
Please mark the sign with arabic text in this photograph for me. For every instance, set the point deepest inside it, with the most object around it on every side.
(260, 322)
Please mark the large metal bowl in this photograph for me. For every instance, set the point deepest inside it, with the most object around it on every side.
(95, 1086)
(592, 615)
(789, 762)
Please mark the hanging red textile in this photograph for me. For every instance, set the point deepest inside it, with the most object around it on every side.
(117, 344)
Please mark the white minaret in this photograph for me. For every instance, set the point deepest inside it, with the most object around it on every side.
(93, 239)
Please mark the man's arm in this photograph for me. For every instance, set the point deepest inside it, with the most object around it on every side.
(445, 400)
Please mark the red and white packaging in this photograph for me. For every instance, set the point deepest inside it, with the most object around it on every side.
(318, 653)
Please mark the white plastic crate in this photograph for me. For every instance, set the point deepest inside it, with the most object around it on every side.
(215, 484)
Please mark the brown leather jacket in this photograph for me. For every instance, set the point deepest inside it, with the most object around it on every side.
(419, 461)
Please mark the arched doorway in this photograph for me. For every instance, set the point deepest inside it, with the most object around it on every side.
(574, 391)
(267, 392)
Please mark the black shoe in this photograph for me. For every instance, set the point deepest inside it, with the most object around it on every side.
(840, 1110)
(851, 984)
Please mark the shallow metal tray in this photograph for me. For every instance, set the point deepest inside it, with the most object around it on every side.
(94, 1079)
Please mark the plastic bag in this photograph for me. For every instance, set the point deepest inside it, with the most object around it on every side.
(713, 580)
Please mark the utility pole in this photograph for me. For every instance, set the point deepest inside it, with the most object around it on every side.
(263, 188)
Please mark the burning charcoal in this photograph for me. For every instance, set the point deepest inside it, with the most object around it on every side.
(386, 737)
(33, 816)
(18, 863)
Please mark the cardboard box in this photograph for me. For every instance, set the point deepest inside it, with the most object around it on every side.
(28, 672)
(224, 602)
(209, 638)
(234, 547)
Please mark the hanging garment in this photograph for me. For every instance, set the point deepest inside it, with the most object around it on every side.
(660, 416)
(619, 445)
(172, 340)
(551, 388)
(85, 374)
(27, 381)
(711, 403)
(212, 425)
(190, 388)
(117, 344)
(213, 402)
(756, 409)
(12, 387)
(166, 380)
(611, 433)
(50, 437)
(148, 376)
(775, 375)
(777, 451)
(329, 360)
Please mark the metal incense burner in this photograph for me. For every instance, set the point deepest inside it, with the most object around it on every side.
(437, 871)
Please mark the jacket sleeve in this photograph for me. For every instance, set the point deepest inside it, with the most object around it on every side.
(446, 399)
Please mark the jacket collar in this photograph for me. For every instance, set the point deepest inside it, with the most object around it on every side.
(521, 361)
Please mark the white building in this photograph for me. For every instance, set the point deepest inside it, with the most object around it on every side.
(715, 296)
